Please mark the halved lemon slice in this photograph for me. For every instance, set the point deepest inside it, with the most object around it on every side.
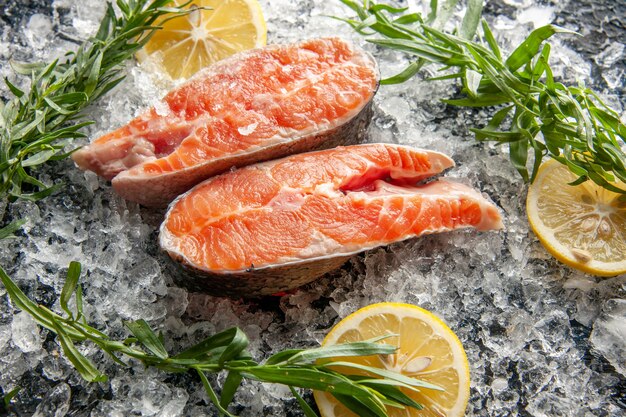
(427, 350)
(583, 226)
(189, 43)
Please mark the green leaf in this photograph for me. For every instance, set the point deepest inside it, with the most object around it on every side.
(491, 40)
(389, 30)
(107, 22)
(236, 346)
(539, 151)
(360, 10)
(472, 81)
(541, 64)
(443, 12)
(45, 72)
(571, 165)
(11, 228)
(499, 117)
(212, 396)
(75, 98)
(26, 68)
(394, 376)
(390, 389)
(432, 14)
(600, 179)
(21, 301)
(408, 19)
(124, 7)
(56, 107)
(488, 134)
(84, 366)
(23, 129)
(142, 331)
(39, 158)
(36, 196)
(282, 356)
(471, 18)
(362, 407)
(6, 398)
(493, 125)
(447, 77)
(496, 75)
(16, 91)
(365, 348)
(229, 388)
(518, 151)
(415, 48)
(530, 47)
(73, 274)
(308, 411)
(479, 101)
(94, 74)
(219, 340)
(387, 8)
(305, 377)
(79, 303)
(412, 69)
(105, 88)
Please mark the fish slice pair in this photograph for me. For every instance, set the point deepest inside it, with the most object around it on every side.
(277, 225)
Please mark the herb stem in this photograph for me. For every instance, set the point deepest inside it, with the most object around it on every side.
(543, 117)
(37, 125)
(226, 352)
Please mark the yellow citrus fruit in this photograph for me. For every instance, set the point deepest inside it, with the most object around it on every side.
(427, 350)
(189, 43)
(583, 226)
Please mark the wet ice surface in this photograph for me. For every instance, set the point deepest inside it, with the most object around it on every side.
(542, 339)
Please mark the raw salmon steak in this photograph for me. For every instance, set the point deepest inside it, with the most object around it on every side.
(277, 225)
(257, 105)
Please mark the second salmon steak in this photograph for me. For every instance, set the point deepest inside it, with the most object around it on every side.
(276, 225)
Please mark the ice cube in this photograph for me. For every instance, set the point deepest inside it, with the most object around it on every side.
(25, 332)
(39, 30)
(609, 334)
(56, 403)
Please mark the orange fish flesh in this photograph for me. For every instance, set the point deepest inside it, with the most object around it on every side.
(277, 225)
(256, 105)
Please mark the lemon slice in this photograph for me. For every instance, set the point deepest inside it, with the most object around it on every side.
(189, 43)
(427, 350)
(583, 226)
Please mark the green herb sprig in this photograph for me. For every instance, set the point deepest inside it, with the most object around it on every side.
(537, 115)
(226, 352)
(36, 125)
(5, 400)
